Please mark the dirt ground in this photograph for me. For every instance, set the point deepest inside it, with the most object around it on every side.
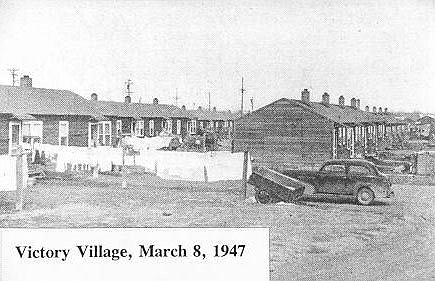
(320, 238)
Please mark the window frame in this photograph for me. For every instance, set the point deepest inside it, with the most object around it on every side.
(104, 133)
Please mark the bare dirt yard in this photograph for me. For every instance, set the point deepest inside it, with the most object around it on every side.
(318, 238)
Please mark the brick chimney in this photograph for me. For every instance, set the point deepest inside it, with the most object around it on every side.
(26, 81)
(199, 107)
(127, 99)
(358, 103)
(380, 110)
(214, 108)
(183, 107)
(341, 101)
(155, 101)
(386, 110)
(94, 97)
(374, 109)
(353, 103)
(325, 99)
(367, 108)
(305, 96)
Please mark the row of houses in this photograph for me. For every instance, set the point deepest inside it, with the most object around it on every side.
(61, 117)
(290, 133)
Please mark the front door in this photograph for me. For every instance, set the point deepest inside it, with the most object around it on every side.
(15, 135)
(93, 134)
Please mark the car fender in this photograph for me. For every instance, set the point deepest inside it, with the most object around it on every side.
(371, 186)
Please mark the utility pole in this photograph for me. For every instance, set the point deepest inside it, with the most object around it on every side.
(252, 104)
(241, 106)
(14, 74)
(176, 97)
(209, 101)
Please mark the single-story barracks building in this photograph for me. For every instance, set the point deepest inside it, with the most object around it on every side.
(290, 133)
(29, 115)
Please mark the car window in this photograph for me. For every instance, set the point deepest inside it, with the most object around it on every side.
(336, 169)
(359, 171)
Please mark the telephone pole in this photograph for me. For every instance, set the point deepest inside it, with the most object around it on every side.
(241, 106)
(209, 101)
(176, 97)
(14, 74)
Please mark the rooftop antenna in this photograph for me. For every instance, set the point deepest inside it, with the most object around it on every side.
(14, 74)
(128, 84)
(243, 90)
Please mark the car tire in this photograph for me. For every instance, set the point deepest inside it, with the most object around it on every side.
(262, 196)
(365, 196)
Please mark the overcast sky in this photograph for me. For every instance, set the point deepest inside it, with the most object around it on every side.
(382, 52)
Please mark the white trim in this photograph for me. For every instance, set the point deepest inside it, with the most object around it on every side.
(139, 126)
(151, 129)
(67, 130)
(178, 127)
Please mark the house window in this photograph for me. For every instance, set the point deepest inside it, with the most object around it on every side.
(139, 128)
(151, 125)
(32, 132)
(119, 127)
(217, 124)
(104, 133)
(201, 125)
(226, 124)
(178, 127)
(191, 126)
(63, 132)
(169, 126)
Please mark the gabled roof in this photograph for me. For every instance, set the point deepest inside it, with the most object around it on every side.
(38, 101)
(138, 110)
(202, 114)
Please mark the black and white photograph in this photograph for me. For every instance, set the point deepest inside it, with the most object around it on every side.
(217, 140)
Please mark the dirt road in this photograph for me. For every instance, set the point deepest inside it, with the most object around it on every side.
(316, 239)
(405, 252)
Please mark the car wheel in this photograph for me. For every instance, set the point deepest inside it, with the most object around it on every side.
(365, 196)
(262, 196)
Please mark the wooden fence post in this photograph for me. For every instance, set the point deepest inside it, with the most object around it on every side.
(245, 174)
(19, 178)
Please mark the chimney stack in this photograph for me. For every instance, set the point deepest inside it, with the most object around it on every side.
(155, 101)
(94, 97)
(374, 109)
(214, 108)
(358, 103)
(325, 99)
(183, 107)
(341, 101)
(305, 96)
(380, 110)
(127, 99)
(353, 103)
(199, 107)
(26, 81)
(386, 110)
(367, 108)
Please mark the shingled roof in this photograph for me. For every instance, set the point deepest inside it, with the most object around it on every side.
(138, 110)
(38, 101)
(202, 114)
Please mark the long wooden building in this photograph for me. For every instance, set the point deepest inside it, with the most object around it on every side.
(291, 133)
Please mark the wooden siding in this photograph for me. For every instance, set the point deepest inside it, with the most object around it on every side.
(284, 135)
(4, 134)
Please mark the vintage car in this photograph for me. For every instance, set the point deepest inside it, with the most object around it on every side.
(359, 179)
